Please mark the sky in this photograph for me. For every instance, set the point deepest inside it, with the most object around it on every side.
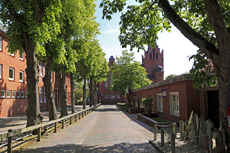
(176, 47)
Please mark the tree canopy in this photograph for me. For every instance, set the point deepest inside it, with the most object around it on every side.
(127, 74)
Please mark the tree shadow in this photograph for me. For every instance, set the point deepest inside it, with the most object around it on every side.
(116, 148)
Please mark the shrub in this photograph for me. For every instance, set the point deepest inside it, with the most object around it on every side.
(148, 104)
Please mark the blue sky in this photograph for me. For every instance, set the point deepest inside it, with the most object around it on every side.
(176, 47)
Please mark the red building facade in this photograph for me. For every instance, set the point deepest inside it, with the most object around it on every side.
(105, 95)
(153, 62)
(13, 85)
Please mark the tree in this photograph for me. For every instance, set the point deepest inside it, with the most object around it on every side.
(128, 75)
(78, 92)
(204, 22)
(170, 76)
(29, 22)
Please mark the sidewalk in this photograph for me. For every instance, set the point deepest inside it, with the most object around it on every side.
(19, 122)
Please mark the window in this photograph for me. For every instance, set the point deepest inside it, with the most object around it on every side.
(0, 70)
(41, 95)
(112, 96)
(13, 94)
(150, 55)
(159, 103)
(106, 96)
(22, 94)
(174, 104)
(8, 94)
(118, 96)
(18, 94)
(26, 93)
(11, 73)
(0, 43)
(21, 76)
(3, 93)
(106, 83)
(11, 54)
(156, 55)
(110, 78)
(45, 95)
(41, 70)
(21, 55)
(153, 54)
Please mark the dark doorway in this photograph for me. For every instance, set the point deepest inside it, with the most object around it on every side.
(213, 107)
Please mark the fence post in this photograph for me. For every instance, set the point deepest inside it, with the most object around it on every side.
(162, 137)
(70, 120)
(173, 136)
(175, 128)
(39, 134)
(155, 132)
(55, 127)
(79, 115)
(76, 118)
(63, 123)
(82, 114)
(9, 149)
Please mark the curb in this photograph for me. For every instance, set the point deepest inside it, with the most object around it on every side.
(155, 146)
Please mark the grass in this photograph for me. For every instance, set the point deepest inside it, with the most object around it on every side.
(158, 119)
(122, 104)
(126, 107)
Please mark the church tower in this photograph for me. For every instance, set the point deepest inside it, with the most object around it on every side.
(153, 62)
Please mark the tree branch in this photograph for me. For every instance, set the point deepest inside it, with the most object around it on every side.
(203, 44)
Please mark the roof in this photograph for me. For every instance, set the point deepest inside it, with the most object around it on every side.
(2, 28)
(158, 69)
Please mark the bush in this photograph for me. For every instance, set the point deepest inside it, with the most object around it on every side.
(78, 102)
(148, 104)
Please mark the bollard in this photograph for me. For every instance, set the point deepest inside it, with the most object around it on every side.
(79, 115)
(175, 128)
(63, 124)
(76, 118)
(162, 137)
(9, 149)
(173, 136)
(39, 134)
(55, 127)
(82, 114)
(155, 132)
(70, 120)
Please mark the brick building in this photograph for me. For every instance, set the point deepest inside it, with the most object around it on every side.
(13, 85)
(105, 95)
(153, 62)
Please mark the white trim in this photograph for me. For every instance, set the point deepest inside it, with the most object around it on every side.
(40, 95)
(174, 106)
(11, 54)
(1, 44)
(21, 80)
(21, 58)
(3, 96)
(13, 94)
(0, 71)
(26, 94)
(12, 73)
(8, 91)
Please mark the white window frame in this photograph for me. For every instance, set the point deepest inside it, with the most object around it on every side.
(22, 94)
(11, 54)
(21, 80)
(174, 110)
(21, 58)
(4, 94)
(41, 69)
(8, 91)
(159, 103)
(13, 94)
(26, 93)
(1, 43)
(40, 95)
(0, 71)
(12, 73)
(18, 94)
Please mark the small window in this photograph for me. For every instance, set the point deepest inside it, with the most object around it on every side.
(21, 55)
(22, 94)
(26, 93)
(41, 95)
(3, 93)
(0, 70)
(21, 76)
(106, 96)
(118, 96)
(0, 43)
(8, 93)
(11, 73)
(13, 94)
(159, 103)
(156, 55)
(150, 55)
(11, 54)
(153, 54)
(18, 94)
(174, 104)
(106, 83)
(112, 96)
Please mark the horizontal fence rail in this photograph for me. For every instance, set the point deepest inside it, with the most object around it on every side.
(14, 135)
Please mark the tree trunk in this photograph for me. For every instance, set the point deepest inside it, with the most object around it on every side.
(34, 115)
(49, 90)
(95, 94)
(72, 93)
(62, 91)
(90, 92)
(84, 93)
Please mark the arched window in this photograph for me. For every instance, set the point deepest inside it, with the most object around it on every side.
(150, 55)
(153, 54)
(156, 55)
